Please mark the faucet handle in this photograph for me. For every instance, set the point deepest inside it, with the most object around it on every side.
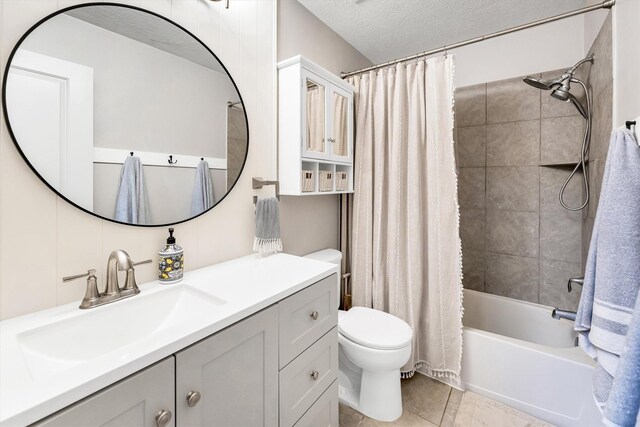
(92, 294)
(78, 276)
(130, 285)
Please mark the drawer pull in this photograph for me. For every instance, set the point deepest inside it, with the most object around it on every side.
(162, 418)
(193, 397)
(314, 375)
(314, 315)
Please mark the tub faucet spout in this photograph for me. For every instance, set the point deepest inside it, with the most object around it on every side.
(563, 314)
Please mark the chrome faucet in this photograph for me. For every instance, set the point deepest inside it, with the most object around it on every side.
(563, 314)
(118, 261)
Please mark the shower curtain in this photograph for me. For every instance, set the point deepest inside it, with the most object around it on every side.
(405, 252)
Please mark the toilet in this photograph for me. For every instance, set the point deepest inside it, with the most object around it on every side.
(373, 346)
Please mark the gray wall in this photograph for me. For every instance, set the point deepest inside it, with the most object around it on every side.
(601, 83)
(514, 146)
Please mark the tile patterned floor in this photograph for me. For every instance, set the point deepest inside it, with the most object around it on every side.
(429, 403)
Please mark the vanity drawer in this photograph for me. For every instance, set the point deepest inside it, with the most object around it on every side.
(323, 413)
(306, 316)
(304, 380)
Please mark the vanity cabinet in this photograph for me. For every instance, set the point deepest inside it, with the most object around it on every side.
(235, 373)
(277, 367)
(139, 400)
(315, 131)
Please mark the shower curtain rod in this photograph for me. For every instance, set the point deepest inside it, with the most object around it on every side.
(608, 4)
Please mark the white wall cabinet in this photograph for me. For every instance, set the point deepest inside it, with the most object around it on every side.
(315, 129)
(277, 367)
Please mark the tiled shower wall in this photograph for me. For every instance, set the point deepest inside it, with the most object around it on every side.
(515, 147)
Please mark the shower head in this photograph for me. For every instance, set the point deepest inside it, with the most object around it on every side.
(548, 84)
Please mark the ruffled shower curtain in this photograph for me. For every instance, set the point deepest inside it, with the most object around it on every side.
(405, 252)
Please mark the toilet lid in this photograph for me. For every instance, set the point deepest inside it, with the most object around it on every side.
(374, 329)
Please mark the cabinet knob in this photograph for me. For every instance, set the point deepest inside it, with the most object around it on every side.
(193, 397)
(163, 417)
(314, 315)
(314, 375)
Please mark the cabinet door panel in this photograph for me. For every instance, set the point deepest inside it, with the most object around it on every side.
(323, 413)
(135, 402)
(236, 373)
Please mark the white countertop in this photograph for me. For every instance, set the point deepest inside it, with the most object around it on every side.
(245, 285)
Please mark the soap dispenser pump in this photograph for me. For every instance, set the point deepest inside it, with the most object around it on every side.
(171, 262)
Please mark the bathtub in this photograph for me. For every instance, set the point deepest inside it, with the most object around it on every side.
(517, 354)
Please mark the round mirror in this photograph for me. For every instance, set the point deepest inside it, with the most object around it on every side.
(125, 114)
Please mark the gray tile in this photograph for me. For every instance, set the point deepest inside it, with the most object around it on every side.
(560, 236)
(512, 100)
(236, 124)
(551, 181)
(561, 139)
(348, 417)
(596, 173)
(554, 276)
(513, 188)
(512, 276)
(513, 144)
(471, 145)
(587, 231)
(425, 397)
(470, 105)
(472, 229)
(602, 69)
(602, 123)
(511, 232)
(471, 188)
(551, 107)
(473, 269)
(449, 418)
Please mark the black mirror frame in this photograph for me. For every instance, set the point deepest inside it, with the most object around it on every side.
(24, 157)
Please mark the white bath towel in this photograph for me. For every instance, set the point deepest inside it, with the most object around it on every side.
(203, 198)
(132, 204)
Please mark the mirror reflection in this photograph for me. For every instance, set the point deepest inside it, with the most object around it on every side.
(315, 117)
(126, 115)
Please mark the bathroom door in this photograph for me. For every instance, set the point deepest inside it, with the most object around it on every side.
(52, 116)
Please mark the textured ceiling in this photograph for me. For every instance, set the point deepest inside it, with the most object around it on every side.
(388, 29)
(148, 29)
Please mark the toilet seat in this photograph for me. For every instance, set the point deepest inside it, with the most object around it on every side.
(374, 329)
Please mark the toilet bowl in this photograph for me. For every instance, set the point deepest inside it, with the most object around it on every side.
(373, 346)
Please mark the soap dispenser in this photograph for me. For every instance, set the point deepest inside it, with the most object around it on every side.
(171, 263)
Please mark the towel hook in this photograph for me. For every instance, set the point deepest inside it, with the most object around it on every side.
(171, 161)
(131, 152)
(630, 123)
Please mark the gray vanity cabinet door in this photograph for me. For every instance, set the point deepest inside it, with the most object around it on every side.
(133, 402)
(235, 373)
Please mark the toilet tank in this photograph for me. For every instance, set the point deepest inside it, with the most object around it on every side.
(332, 256)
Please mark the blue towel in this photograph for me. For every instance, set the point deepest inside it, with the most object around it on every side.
(202, 198)
(132, 205)
(612, 274)
(624, 397)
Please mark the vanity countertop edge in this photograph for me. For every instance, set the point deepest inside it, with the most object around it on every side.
(246, 285)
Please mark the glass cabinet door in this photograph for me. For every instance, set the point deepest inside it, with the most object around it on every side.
(315, 141)
(341, 133)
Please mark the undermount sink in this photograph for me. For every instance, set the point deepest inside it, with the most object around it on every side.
(96, 332)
